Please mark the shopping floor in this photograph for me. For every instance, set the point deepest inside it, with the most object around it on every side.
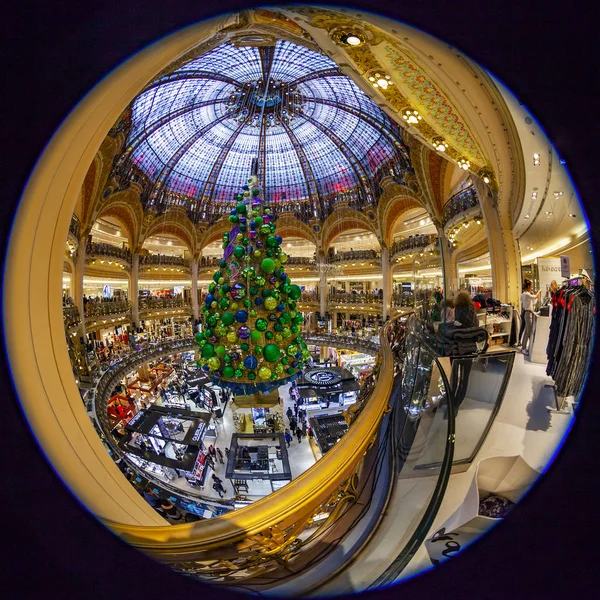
(523, 427)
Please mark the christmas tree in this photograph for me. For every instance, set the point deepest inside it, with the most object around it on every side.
(251, 340)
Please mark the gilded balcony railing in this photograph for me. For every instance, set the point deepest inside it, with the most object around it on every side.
(350, 255)
(108, 251)
(458, 203)
(71, 316)
(354, 298)
(96, 309)
(414, 242)
(163, 260)
(267, 533)
(160, 303)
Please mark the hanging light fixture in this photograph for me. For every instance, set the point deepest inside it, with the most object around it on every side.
(463, 163)
(412, 117)
(440, 144)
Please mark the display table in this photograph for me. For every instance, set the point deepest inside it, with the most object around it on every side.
(537, 350)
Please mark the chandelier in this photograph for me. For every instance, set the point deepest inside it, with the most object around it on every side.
(278, 102)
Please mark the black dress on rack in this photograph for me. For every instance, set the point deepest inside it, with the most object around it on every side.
(571, 338)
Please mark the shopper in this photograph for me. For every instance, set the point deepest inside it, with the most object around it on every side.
(212, 452)
(293, 423)
(526, 283)
(227, 451)
(218, 486)
(289, 413)
(528, 299)
(299, 434)
(220, 455)
(466, 317)
(288, 437)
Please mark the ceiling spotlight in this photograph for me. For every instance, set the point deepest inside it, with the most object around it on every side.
(572, 215)
(118, 232)
(412, 117)
(527, 216)
(536, 160)
(351, 39)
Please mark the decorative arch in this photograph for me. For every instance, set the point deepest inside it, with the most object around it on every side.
(394, 211)
(289, 225)
(126, 208)
(337, 223)
(90, 185)
(183, 230)
(214, 233)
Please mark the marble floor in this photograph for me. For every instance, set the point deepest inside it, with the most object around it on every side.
(523, 426)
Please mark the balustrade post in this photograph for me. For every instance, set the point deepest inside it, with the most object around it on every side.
(134, 288)
(195, 312)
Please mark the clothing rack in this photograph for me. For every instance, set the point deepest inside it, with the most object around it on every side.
(571, 337)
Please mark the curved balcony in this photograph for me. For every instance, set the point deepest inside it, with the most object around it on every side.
(262, 545)
(209, 261)
(108, 251)
(71, 316)
(465, 201)
(98, 309)
(302, 260)
(162, 260)
(355, 255)
(413, 243)
(309, 298)
(343, 341)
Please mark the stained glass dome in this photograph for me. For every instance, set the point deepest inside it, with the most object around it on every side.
(317, 137)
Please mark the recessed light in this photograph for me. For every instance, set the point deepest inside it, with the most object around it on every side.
(572, 215)
(527, 216)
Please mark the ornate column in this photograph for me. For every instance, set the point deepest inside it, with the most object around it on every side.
(78, 283)
(134, 287)
(386, 271)
(504, 256)
(194, 292)
(322, 268)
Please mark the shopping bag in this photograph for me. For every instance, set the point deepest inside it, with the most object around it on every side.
(506, 476)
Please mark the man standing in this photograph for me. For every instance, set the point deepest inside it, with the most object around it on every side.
(289, 413)
(288, 437)
(299, 434)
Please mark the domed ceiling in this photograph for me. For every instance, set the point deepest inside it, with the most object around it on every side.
(316, 137)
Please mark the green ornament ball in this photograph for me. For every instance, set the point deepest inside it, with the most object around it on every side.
(295, 292)
(207, 333)
(198, 337)
(284, 360)
(278, 337)
(271, 352)
(232, 337)
(286, 333)
(258, 349)
(253, 290)
(255, 336)
(291, 370)
(208, 350)
(251, 375)
(291, 350)
(257, 254)
(279, 369)
(261, 324)
(272, 241)
(228, 372)
(292, 305)
(247, 303)
(227, 318)
(216, 276)
(265, 293)
(241, 209)
(252, 313)
(245, 347)
(298, 320)
(260, 281)
(285, 317)
(268, 265)
(224, 304)
(211, 288)
(265, 230)
(227, 359)
(269, 335)
(220, 350)
(294, 329)
(233, 218)
(239, 251)
(278, 327)
(258, 221)
(238, 373)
